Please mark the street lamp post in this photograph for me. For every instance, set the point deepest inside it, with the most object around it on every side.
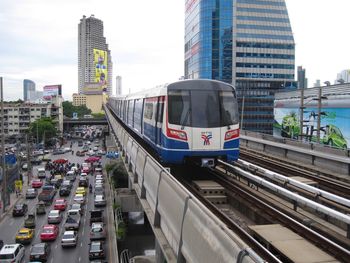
(301, 113)
(4, 178)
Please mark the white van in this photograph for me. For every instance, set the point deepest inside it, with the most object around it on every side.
(41, 172)
(12, 253)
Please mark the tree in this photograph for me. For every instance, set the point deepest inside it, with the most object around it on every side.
(69, 108)
(43, 129)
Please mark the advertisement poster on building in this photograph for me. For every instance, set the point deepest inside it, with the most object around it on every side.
(334, 124)
(100, 62)
(53, 90)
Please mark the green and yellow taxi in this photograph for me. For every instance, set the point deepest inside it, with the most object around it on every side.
(25, 235)
(81, 190)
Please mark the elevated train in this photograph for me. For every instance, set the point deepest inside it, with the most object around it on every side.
(185, 120)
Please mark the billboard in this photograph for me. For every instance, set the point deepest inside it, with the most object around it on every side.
(100, 62)
(52, 90)
(93, 89)
(335, 120)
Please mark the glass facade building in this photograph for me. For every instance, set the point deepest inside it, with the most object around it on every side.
(28, 85)
(248, 43)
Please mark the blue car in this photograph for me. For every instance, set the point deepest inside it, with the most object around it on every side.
(112, 155)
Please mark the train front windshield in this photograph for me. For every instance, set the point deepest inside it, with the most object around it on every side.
(202, 108)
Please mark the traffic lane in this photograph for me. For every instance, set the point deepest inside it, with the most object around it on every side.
(56, 244)
(10, 225)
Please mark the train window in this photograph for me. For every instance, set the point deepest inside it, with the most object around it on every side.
(205, 109)
(160, 109)
(131, 112)
(229, 108)
(149, 110)
(138, 114)
(179, 107)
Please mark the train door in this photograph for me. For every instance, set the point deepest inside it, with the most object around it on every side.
(149, 118)
(159, 120)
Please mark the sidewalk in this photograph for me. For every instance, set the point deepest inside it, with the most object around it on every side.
(14, 199)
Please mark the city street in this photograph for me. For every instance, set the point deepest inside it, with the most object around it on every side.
(10, 225)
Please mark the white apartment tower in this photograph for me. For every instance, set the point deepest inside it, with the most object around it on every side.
(94, 58)
(118, 85)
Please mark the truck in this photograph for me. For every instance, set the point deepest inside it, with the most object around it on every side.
(47, 194)
(73, 220)
(96, 216)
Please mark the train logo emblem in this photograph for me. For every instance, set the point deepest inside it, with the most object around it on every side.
(206, 136)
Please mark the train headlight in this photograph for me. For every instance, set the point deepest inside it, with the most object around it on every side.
(231, 134)
(181, 135)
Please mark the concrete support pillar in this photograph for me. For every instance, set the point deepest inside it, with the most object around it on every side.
(159, 253)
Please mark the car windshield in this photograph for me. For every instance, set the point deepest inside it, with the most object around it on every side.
(23, 234)
(47, 230)
(6, 256)
(68, 236)
(19, 206)
(38, 249)
(75, 206)
(95, 247)
(202, 108)
(96, 230)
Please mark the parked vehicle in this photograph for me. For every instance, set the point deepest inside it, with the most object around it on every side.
(96, 216)
(20, 209)
(29, 222)
(69, 239)
(40, 252)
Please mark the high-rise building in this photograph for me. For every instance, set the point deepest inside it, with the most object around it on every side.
(28, 85)
(118, 85)
(94, 59)
(343, 77)
(248, 43)
(302, 80)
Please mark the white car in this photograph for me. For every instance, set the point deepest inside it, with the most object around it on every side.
(69, 239)
(79, 198)
(97, 182)
(95, 149)
(54, 217)
(100, 200)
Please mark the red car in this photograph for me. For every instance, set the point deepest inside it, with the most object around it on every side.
(37, 183)
(86, 170)
(49, 233)
(60, 204)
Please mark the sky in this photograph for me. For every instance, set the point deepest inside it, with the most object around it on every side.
(39, 41)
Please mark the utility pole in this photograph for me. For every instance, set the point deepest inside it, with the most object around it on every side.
(301, 113)
(4, 176)
(29, 164)
(319, 105)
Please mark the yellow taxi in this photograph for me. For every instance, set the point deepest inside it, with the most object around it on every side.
(25, 235)
(80, 190)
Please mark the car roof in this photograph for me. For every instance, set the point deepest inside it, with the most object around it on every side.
(39, 245)
(69, 232)
(49, 226)
(9, 248)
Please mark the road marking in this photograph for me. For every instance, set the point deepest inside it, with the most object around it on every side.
(83, 231)
(56, 246)
(79, 259)
(81, 244)
(11, 223)
(51, 260)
